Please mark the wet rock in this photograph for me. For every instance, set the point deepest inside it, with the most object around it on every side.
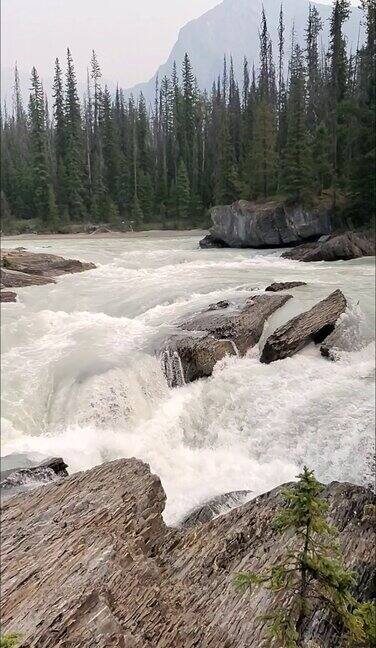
(286, 285)
(214, 507)
(90, 562)
(16, 480)
(15, 279)
(260, 225)
(7, 296)
(312, 326)
(46, 265)
(341, 247)
(210, 241)
(215, 334)
(219, 305)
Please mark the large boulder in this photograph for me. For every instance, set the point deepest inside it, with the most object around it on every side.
(90, 562)
(340, 247)
(263, 225)
(209, 336)
(209, 241)
(47, 265)
(15, 279)
(312, 326)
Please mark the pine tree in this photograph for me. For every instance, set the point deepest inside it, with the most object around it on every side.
(227, 184)
(311, 573)
(298, 161)
(41, 180)
(73, 156)
(183, 196)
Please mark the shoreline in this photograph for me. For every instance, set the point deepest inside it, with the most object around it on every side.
(109, 235)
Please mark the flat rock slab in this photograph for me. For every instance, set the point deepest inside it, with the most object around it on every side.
(15, 279)
(342, 247)
(284, 285)
(312, 326)
(7, 296)
(209, 336)
(47, 265)
(88, 561)
(17, 480)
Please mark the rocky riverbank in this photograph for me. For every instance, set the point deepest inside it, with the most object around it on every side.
(89, 561)
(20, 268)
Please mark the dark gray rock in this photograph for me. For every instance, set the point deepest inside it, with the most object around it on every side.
(246, 224)
(210, 241)
(341, 247)
(7, 296)
(286, 285)
(214, 507)
(16, 480)
(312, 326)
(209, 336)
(219, 305)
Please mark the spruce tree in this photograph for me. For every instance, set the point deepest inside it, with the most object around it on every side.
(73, 156)
(183, 196)
(311, 573)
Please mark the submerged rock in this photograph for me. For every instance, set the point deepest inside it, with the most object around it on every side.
(46, 265)
(215, 333)
(16, 480)
(90, 562)
(312, 326)
(214, 507)
(286, 285)
(340, 247)
(260, 225)
(7, 296)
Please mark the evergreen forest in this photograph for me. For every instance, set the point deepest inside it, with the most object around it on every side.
(302, 131)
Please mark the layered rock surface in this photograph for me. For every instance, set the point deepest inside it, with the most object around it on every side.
(89, 562)
(340, 247)
(314, 325)
(260, 225)
(20, 268)
(209, 336)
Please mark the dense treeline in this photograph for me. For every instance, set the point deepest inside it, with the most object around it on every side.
(303, 133)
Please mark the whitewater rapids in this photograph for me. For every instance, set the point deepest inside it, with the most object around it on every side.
(81, 379)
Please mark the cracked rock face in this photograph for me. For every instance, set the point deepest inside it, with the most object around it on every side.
(247, 224)
(89, 562)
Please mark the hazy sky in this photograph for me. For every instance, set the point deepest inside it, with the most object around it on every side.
(131, 37)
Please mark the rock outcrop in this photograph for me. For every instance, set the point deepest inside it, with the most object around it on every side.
(263, 225)
(46, 265)
(20, 268)
(7, 296)
(312, 326)
(340, 247)
(16, 480)
(89, 562)
(15, 279)
(209, 336)
(284, 285)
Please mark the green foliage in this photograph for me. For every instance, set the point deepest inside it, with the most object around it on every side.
(311, 573)
(9, 640)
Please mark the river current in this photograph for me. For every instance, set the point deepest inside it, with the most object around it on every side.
(81, 378)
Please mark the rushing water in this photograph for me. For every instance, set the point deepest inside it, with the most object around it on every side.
(81, 378)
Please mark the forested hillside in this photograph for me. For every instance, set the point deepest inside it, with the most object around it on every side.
(306, 133)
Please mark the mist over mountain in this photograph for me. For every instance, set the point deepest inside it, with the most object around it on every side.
(231, 29)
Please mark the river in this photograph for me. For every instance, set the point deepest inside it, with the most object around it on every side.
(81, 379)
